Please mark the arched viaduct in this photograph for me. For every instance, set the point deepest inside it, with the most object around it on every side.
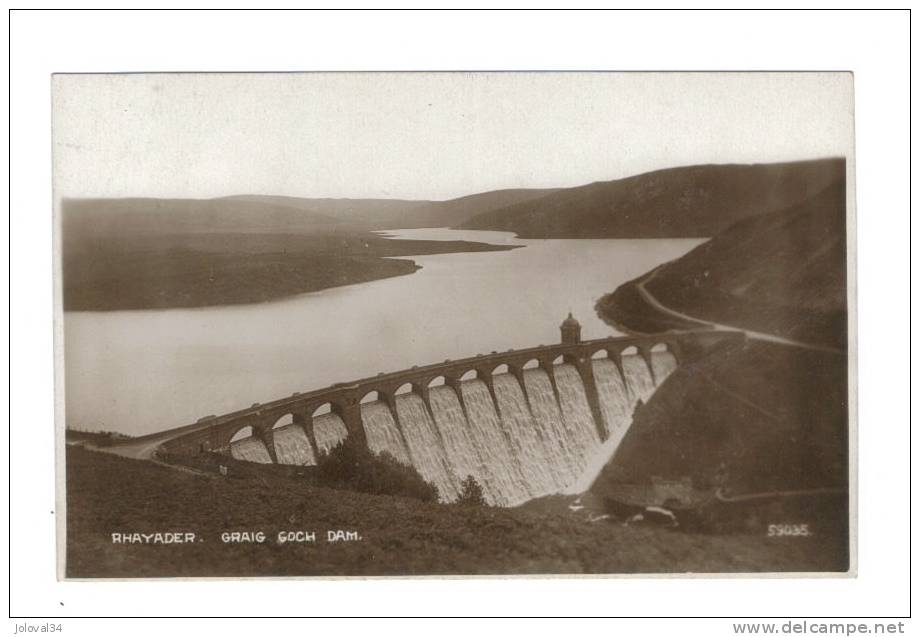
(215, 433)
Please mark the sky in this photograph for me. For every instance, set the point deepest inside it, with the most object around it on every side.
(426, 135)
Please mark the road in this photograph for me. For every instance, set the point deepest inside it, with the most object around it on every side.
(142, 450)
(138, 449)
(649, 298)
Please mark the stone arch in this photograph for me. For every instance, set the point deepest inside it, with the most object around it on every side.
(323, 408)
(370, 396)
(600, 353)
(559, 360)
(283, 420)
(661, 346)
(533, 363)
(405, 388)
(469, 374)
(629, 350)
(242, 431)
(437, 381)
(501, 368)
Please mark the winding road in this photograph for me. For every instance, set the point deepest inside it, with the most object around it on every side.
(649, 298)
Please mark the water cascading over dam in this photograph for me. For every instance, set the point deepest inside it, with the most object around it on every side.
(520, 440)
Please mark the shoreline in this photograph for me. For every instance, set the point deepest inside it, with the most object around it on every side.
(164, 277)
(626, 311)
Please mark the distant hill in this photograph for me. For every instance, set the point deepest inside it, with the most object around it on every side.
(690, 201)
(88, 219)
(455, 212)
(121, 219)
(367, 213)
(379, 214)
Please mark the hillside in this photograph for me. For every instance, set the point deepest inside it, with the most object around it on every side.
(783, 272)
(689, 201)
(754, 418)
(399, 536)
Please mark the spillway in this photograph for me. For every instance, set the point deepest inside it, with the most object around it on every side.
(292, 445)
(616, 404)
(250, 449)
(329, 431)
(519, 440)
(382, 432)
(467, 450)
(424, 443)
(638, 378)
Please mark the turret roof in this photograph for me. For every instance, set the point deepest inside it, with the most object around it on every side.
(570, 321)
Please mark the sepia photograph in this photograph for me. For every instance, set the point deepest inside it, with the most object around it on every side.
(454, 324)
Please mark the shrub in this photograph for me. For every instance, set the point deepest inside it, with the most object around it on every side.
(471, 493)
(357, 468)
(99, 438)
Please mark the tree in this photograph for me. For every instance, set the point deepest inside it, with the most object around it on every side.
(356, 468)
(471, 493)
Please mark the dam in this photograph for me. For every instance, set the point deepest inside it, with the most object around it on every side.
(525, 423)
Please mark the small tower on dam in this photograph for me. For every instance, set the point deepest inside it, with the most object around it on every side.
(571, 330)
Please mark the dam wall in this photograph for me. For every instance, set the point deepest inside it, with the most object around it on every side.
(524, 423)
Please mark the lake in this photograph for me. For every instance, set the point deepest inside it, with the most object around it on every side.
(142, 371)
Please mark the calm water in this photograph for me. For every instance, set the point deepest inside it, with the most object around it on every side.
(142, 371)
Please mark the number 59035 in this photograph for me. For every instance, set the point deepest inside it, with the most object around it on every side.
(788, 530)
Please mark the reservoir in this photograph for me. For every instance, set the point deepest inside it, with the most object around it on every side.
(142, 371)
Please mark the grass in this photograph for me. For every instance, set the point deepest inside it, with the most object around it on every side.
(400, 536)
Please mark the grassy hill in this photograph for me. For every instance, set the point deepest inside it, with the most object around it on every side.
(399, 536)
(689, 201)
(752, 418)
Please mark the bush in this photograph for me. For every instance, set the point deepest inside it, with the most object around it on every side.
(357, 468)
(100, 438)
(471, 493)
